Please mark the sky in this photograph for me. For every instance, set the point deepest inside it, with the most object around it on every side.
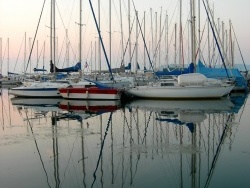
(20, 17)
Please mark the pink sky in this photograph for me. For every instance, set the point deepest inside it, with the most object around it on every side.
(18, 17)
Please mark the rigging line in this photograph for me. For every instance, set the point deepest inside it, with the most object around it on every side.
(145, 134)
(216, 41)
(139, 155)
(70, 157)
(218, 151)
(100, 37)
(239, 49)
(35, 36)
(2, 109)
(143, 38)
(126, 47)
(102, 145)
(38, 149)
(129, 128)
(4, 55)
(244, 105)
(64, 29)
(202, 34)
(71, 12)
(19, 53)
(40, 55)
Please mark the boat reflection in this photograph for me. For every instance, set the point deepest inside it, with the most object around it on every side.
(37, 104)
(95, 106)
(84, 109)
(183, 111)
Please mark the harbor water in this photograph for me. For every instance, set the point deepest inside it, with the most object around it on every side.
(144, 143)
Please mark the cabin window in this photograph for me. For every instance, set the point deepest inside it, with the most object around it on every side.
(167, 112)
(167, 84)
(88, 86)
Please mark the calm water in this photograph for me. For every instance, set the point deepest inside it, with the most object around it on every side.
(146, 144)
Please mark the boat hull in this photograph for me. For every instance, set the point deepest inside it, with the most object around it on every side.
(36, 92)
(180, 92)
(90, 93)
(41, 90)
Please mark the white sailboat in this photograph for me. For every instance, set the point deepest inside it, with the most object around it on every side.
(42, 89)
(38, 89)
(185, 86)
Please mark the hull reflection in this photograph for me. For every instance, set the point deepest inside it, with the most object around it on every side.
(38, 104)
(84, 109)
(90, 105)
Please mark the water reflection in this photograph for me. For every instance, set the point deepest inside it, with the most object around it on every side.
(183, 112)
(146, 144)
(38, 104)
(84, 109)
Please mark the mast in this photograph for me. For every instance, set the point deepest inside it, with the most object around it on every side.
(99, 43)
(155, 40)
(223, 36)
(193, 30)
(110, 32)
(80, 36)
(51, 35)
(122, 43)
(175, 51)
(1, 60)
(80, 33)
(231, 44)
(199, 29)
(30, 51)
(54, 34)
(24, 51)
(43, 54)
(99, 33)
(136, 45)
(152, 35)
(37, 53)
(129, 37)
(144, 49)
(166, 38)
(67, 48)
(160, 39)
(8, 56)
(180, 37)
(208, 44)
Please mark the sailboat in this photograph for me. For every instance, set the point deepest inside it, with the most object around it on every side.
(185, 86)
(92, 89)
(42, 89)
(217, 72)
(88, 89)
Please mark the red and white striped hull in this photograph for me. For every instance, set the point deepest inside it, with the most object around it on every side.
(90, 93)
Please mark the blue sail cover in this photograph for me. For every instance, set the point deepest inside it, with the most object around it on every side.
(75, 68)
(129, 66)
(220, 73)
(39, 70)
(176, 72)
